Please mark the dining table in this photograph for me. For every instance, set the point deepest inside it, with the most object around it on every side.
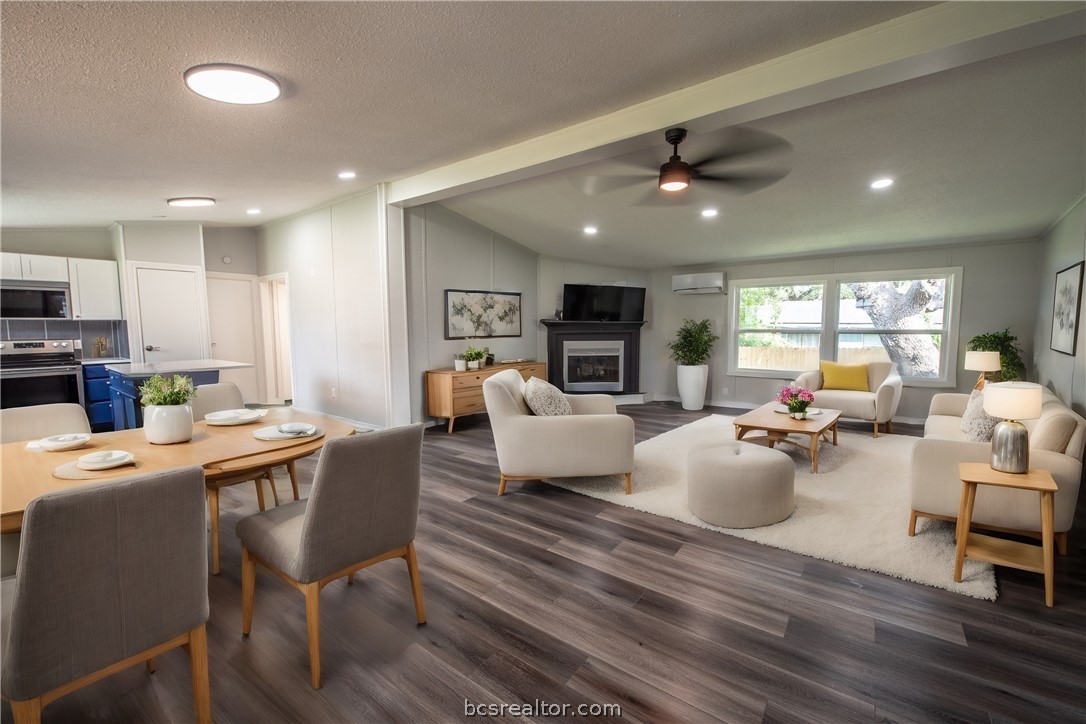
(227, 454)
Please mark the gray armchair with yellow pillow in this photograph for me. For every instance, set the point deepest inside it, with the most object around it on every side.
(868, 392)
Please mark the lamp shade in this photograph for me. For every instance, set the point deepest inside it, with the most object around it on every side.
(982, 361)
(1013, 400)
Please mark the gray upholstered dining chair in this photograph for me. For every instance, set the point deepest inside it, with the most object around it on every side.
(110, 576)
(33, 423)
(362, 510)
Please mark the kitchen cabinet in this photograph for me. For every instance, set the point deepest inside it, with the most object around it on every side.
(451, 394)
(96, 290)
(97, 398)
(35, 267)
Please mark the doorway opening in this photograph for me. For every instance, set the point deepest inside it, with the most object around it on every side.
(275, 313)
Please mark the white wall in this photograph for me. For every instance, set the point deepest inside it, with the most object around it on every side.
(338, 346)
(74, 242)
(236, 242)
(447, 251)
(1062, 246)
(999, 286)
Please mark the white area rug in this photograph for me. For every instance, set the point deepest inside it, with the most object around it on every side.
(854, 511)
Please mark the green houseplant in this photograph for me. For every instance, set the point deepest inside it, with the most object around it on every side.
(1010, 353)
(473, 356)
(167, 414)
(691, 348)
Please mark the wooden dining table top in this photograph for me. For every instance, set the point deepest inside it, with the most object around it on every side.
(222, 451)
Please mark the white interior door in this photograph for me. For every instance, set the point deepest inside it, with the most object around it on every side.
(275, 312)
(231, 313)
(171, 314)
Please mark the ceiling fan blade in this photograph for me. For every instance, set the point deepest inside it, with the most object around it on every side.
(743, 182)
(656, 197)
(595, 185)
(743, 143)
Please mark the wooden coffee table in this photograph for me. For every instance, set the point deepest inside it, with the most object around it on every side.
(778, 426)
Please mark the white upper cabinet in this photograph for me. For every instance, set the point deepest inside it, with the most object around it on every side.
(44, 268)
(96, 291)
(12, 266)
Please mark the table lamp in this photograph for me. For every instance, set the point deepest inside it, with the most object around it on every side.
(983, 362)
(1012, 401)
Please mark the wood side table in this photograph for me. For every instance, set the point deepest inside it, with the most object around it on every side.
(997, 550)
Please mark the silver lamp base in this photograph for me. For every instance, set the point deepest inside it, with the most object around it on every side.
(1010, 447)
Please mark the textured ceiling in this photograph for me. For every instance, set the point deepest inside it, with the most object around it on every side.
(97, 125)
(988, 151)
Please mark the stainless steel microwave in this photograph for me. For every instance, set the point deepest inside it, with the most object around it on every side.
(35, 300)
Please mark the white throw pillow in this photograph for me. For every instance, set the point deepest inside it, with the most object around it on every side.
(976, 423)
(545, 399)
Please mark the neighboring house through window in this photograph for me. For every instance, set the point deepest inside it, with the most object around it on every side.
(785, 326)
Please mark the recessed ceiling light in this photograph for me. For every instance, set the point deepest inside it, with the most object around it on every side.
(191, 201)
(232, 83)
(347, 174)
(882, 183)
(590, 230)
(253, 211)
(709, 213)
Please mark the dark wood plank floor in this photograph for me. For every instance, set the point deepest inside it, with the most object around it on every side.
(546, 595)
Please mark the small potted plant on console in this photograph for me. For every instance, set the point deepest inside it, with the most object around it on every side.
(474, 356)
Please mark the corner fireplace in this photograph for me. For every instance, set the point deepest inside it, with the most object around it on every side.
(594, 356)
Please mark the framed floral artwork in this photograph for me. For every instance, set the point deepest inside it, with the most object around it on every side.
(471, 313)
(1065, 308)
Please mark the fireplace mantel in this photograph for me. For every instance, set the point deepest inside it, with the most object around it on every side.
(629, 333)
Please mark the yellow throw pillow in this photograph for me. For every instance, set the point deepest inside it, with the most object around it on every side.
(843, 377)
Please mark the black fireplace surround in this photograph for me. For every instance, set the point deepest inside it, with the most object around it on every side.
(629, 333)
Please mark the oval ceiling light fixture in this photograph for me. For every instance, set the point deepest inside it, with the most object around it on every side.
(228, 83)
(590, 230)
(252, 211)
(882, 183)
(347, 174)
(191, 201)
(709, 213)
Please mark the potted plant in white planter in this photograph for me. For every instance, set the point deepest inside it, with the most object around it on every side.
(474, 356)
(691, 348)
(167, 414)
(459, 363)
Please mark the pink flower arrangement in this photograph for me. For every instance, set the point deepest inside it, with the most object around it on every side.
(796, 398)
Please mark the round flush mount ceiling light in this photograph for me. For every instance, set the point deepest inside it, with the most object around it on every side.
(591, 230)
(252, 211)
(191, 201)
(232, 84)
(347, 174)
(709, 213)
(882, 183)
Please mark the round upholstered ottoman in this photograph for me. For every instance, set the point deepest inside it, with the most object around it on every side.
(740, 485)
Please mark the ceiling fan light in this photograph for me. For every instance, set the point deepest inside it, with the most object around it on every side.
(674, 176)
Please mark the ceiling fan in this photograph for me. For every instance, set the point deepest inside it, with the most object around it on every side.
(676, 176)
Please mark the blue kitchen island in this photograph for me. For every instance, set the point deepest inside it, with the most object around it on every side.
(125, 381)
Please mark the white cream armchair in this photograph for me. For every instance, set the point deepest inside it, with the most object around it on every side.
(594, 440)
(877, 406)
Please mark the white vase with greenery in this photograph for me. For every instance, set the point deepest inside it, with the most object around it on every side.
(167, 414)
(691, 348)
(474, 356)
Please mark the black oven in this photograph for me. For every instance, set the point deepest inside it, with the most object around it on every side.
(37, 300)
(40, 372)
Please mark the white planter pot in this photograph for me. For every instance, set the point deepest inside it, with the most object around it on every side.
(473, 364)
(460, 364)
(692, 381)
(165, 424)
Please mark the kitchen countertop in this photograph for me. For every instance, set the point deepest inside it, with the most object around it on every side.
(105, 360)
(146, 369)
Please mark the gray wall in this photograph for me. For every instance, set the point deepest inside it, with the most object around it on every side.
(237, 243)
(999, 284)
(1062, 246)
(74, 242)
(447, 251)
(164, 242)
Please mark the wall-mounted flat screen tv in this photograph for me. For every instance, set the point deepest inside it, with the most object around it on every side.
(593, 303)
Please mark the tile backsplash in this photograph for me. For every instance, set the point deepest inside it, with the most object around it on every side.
(114, 332)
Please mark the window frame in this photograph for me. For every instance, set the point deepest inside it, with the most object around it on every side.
(831, 330)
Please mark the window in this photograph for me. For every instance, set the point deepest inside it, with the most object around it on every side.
(783, 327)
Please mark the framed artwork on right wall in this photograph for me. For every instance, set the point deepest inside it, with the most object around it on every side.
(1065, 308)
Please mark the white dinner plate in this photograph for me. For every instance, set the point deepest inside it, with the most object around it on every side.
(234, 417)
(810, 410)
(271, 432)
(67, 441)
(300, 429)
(105, 459)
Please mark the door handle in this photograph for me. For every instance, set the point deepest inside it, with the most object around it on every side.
(151, 348)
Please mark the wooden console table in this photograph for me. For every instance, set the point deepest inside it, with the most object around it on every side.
(453, 394)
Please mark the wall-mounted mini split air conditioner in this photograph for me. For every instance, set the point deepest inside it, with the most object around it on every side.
(711, 283)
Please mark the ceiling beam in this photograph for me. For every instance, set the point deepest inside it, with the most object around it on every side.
(928, 41)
